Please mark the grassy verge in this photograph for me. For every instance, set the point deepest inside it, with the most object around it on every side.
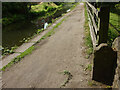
(88, 41)
(114, 20)
(112, 33)
(18, 58)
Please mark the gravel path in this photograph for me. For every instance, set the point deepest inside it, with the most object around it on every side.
(44, 67)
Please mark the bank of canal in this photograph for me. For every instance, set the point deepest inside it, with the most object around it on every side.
(15, 34)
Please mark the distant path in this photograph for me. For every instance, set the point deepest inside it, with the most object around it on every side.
(62, 51)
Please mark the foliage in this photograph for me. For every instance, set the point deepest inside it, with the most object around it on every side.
(8, 51)
(58, 3)
(49, 9)
(40, 30)
(14, 11)
(14, 18)
(46, 7)
(66, 72)
(88, 41)
(114, 20)
(18, 58)
(40, 7)
(14, 8)
(89, 67)
(29, 50)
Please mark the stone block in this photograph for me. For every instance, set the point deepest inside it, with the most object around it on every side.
(105, 63)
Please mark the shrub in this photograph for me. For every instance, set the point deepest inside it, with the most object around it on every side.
(49, 9)
(45, 7)
(42, 13)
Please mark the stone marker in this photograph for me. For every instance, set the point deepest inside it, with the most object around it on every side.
(116, 47)
(116, 44)
(105, 63)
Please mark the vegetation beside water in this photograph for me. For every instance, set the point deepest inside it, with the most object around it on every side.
(16, 11)
(88, 41)
(13, 12)
(47, 11)
(18, 58)
(30, 49)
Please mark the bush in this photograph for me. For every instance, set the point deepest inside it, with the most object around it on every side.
(45, 7)
(42, 13)
(49, 9)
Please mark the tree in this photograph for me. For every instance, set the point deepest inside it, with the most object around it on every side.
(15, 8)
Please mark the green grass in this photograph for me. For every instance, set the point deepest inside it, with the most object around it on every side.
(112, 33)
(92, 83)
(41, 7)
(37, 8)
(114, 20)
(66, 72)
(88, 41)
(69, 77)
(18, 58)
(89, 67)
(44, 10)
(0, 21)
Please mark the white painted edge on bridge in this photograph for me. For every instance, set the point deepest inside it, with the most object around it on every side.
(24, 47)
(8, 59)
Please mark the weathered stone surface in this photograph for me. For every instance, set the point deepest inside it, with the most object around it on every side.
(24, 47)
(118, 70)
(37, 38)
(116, 47)
(116, 44)
(105, 63)
(8, 59)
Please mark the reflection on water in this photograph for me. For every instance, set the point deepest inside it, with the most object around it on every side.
(14, 33)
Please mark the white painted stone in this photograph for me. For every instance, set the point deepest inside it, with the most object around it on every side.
(24, 47)
(38, 37)
(8, 59)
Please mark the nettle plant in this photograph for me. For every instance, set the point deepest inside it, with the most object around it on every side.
(6, 50)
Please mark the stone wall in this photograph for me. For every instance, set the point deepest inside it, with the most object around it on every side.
(119, 70)
(116, 46)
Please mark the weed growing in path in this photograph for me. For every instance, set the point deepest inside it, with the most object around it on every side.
(89, 67)
(66, 72)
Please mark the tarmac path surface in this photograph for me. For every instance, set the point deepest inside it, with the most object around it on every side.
(62, 52)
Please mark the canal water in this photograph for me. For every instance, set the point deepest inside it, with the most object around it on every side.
(13, 34)
(16, 32)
